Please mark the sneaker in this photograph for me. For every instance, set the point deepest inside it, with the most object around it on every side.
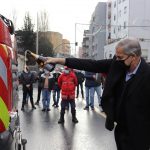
(100, 105)
(61, 121)
(48, 109)
(43, 109)
(92, 107)
(53, 105)
(22, 109)
(37, 103)
(86, 108)
(33, 107)
(75, 120)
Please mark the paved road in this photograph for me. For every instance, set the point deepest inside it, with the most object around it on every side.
(44, 133)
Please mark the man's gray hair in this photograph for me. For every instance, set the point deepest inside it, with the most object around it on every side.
(130, 46)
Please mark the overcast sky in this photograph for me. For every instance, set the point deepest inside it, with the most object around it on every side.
(63, 14)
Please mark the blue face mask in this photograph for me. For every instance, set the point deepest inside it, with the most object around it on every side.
(46, 72)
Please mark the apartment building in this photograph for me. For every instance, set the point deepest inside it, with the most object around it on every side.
(66, 47)
(127, 18)
(95, 38)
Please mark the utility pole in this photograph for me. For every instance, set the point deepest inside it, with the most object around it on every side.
(37, 36)
(75, 38)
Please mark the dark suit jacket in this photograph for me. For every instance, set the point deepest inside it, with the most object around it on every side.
(137, 99)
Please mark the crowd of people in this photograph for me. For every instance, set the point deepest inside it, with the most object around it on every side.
(63, 83)
(125, 98)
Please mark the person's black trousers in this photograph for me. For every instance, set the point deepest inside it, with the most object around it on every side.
(65, 103)
(81, 87)
(25, 92)
(39, 93)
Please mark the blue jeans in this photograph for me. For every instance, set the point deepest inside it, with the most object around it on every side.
(89, 91)
(46, 98)
(98, 91)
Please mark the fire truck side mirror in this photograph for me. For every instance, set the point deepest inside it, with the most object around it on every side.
(11, 27)
(9, 24)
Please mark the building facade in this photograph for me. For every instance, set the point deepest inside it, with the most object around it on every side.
(66, 47)
(127, 18)
(84, 52)
(56, 39)
(95, 38)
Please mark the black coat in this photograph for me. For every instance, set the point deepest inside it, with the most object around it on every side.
(136, 100)
(56, 76)
(27, 78)
(80, 77)
(90, 80)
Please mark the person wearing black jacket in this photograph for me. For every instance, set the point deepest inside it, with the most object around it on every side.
(56, 88)
(90, 84)
(80, 77)
(41, 71)
(27, 79)
(126, 96)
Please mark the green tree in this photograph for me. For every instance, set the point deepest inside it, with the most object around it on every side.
(26, 37)
(45, 46)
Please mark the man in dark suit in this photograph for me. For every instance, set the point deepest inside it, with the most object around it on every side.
(126, 96)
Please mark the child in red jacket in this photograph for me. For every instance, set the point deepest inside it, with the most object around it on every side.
(67, 81)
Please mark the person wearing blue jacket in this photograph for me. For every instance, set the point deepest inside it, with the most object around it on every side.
(90, 84)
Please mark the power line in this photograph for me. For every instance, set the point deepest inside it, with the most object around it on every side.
(134, 26)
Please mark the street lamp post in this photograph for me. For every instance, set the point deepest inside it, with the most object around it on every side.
(76, 43)
(99, 29)
(37, 36)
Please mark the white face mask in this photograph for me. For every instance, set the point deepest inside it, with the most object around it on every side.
(66, 71)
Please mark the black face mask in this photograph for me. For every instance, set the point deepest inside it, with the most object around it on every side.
(122, 65)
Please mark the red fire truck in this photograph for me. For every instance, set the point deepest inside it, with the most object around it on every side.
(9, 119)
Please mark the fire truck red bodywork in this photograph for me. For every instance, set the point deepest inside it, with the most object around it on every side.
(6, 58)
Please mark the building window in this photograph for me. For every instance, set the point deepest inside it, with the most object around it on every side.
(93, 29)
(114, 17)
(114, 31)
(125, 9)
(119, 28)
(125, 25)
(119, 13)
(123, 0)
(109, 35)
(96, 47)
(110, 55)
(114, 4)
(93, 19)
(93, 39)
(119, 1)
